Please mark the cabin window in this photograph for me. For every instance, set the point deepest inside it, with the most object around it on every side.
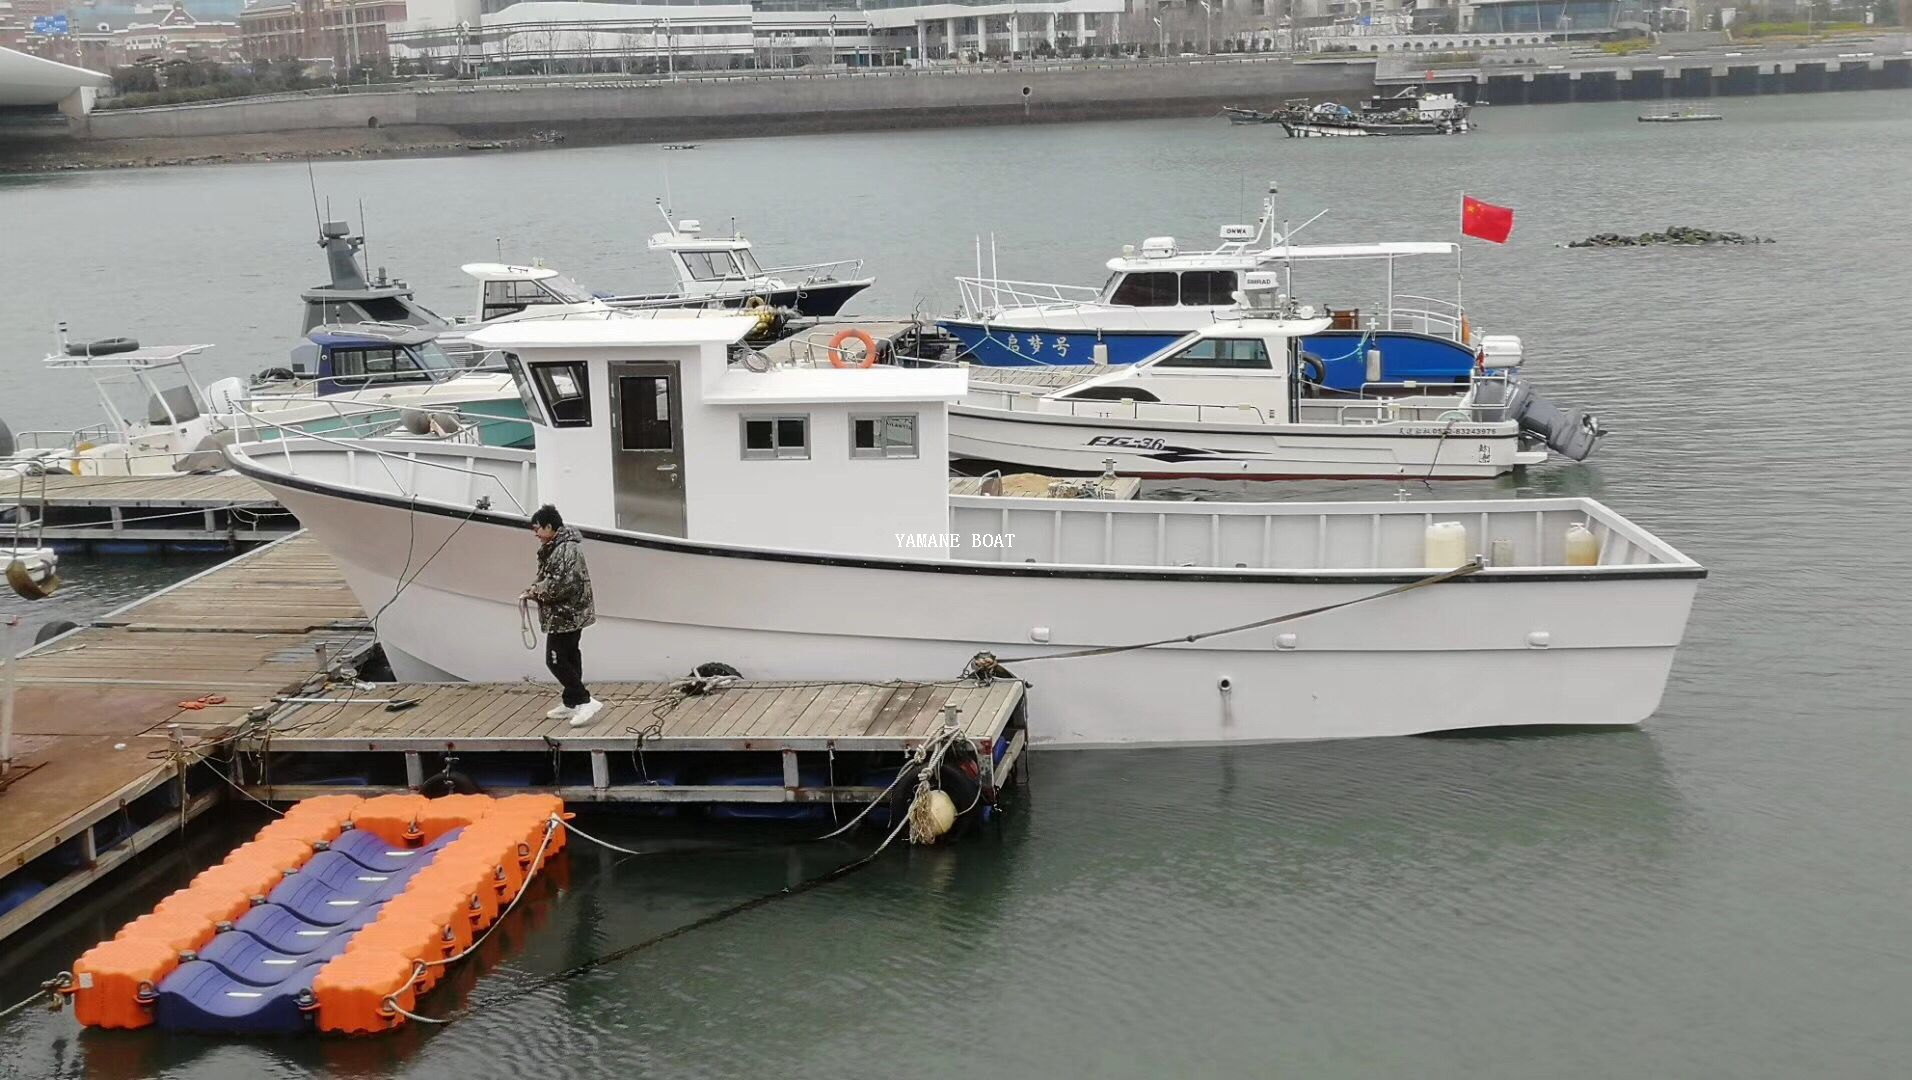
(518, 377)
(644, 413)
(1208, 288)
(883, 436)
(511, 297)
(372, 365)
(769, 438)
(566, 391)
(710, 265)
(1151, 289)
(386, 309)
(1224, 354)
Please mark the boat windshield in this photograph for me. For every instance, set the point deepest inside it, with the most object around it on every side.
(566, 290)
(747, 262)
(433, 358)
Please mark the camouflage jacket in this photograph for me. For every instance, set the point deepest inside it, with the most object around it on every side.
(563, 588)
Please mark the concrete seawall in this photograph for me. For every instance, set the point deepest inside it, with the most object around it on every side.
(702, 106)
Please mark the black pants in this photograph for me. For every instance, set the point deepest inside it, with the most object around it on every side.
(567, 666)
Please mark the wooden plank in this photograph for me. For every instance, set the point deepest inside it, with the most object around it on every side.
(899, 701)
(816, 707)
(744, 725)
(931, 703)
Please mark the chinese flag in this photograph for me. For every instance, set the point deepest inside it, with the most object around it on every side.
(1485, 221)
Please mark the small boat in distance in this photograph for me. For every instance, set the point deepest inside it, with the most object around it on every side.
(1410, 112)
(722, 271)
(1677, 113)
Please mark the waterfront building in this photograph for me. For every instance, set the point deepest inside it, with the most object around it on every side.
(348, 32)
(551, 36)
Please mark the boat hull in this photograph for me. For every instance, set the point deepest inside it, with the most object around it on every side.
(1493, 650)
(1405, 355)
(1083, 446)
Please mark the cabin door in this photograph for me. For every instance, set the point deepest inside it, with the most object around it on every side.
(647, 448)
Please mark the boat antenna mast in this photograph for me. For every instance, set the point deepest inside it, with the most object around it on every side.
(669, 221)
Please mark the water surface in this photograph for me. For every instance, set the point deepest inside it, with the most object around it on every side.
(1721, 893)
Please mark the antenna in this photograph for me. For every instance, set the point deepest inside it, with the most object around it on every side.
(365, 236)
(498, 244)
(314, 184)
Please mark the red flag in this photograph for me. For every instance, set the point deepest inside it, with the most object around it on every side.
(1485, 221)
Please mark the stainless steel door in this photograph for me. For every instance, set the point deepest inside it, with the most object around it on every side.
(647, 448)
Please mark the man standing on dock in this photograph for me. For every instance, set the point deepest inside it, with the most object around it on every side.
(565, 607)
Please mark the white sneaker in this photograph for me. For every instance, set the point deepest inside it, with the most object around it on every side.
(582, 715)
(562, 712)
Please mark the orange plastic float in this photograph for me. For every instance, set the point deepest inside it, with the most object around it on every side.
(337, 916)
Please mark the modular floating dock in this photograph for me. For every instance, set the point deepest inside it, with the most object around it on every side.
(248, 677)
(336, 917)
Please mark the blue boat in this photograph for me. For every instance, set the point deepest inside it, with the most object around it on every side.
(1156, 296)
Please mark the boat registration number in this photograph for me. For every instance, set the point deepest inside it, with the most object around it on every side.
(1455, 432)
(1127, 442)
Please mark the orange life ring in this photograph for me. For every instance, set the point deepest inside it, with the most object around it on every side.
(836, 350)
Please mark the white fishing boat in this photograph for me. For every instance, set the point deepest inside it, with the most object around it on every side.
(1240, 400)
(795, 522)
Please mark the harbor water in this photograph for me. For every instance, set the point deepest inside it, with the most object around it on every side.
(1719, 893)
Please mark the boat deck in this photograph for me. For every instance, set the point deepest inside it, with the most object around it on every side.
(148, 511)
(1039, 486)
(1036, 379)
(810, 346)
(96, 711)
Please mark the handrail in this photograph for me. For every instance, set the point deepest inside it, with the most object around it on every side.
(983, 296)
(285, 449)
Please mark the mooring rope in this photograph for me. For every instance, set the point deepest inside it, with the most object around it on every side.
(1462, 570)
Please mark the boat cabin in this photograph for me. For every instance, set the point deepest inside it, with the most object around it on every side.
(647, 425)
(350, 298)
(505, 291)
(358, 356)
(1161, 275)
(707, 265)
(1254, 364)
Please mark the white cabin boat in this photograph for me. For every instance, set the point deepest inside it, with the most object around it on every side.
(722, 271)
(796, 523)
(1240, 400)
(354, 379)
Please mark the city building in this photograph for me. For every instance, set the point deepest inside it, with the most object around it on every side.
(652, 35)
(348, 32)
(176, 34)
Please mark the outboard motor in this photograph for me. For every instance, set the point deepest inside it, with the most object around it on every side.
(1571, 433)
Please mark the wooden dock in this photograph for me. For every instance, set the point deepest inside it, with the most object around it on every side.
(744, 742)
(143, 512)
(99, 726)
(113, 749)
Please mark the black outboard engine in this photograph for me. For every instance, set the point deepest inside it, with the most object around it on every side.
(1571, 433)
